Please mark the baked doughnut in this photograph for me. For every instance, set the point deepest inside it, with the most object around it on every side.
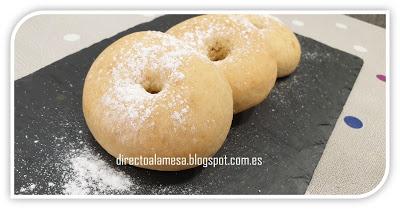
(283, 45)
(237, 50)
(150, 94)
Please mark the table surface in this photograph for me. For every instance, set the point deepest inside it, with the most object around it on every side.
(354, 159)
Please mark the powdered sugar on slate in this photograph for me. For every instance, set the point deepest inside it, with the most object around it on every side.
(28, 188)
(89, 174)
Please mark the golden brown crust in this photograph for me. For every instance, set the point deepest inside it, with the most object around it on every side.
(282, 43)
(148, 94)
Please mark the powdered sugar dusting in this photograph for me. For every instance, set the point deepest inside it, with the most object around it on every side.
(225, 27)
(28, 188)
(159, 57)
(263, 23)
(83, 170)
(91, 175)
(243, 21)
(269, 17)
(178, 116)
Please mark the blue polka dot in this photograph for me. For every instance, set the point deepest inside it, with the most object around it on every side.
(353, 122)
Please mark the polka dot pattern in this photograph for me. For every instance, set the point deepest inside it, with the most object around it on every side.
(341, 25)
(360, 48)
(297, 23)
(381, 77)
(353, 122)
(71, 37)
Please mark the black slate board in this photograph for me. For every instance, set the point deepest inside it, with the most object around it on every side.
(289, 130)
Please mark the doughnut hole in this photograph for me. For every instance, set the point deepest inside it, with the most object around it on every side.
(218, 49)
(152, 83)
